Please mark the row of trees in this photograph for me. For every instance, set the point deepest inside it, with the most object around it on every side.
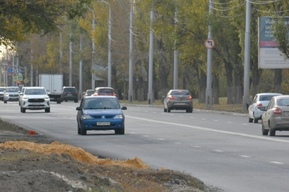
(185, 32)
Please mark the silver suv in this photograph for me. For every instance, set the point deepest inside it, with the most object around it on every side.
(34, 98)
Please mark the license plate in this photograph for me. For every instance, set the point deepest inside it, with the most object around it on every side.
(180, 103)
(102, 123)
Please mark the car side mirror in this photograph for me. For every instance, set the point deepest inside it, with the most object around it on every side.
(124, 108)
(78, 108)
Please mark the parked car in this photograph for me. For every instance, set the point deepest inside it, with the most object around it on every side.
(178, 99)
(34, 98)
(2, 90)
(260, 102)
(104, 91)
(11, 94)
(69, 94)
(89, 92)
(276, 115)
(100, 113)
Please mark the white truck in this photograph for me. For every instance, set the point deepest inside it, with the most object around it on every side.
(53, 84)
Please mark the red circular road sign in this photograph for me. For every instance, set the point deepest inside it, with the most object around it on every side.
(209, 43)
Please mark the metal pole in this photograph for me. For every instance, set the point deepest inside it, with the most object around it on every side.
(80, 67)
(150, 80)
(246, 96)
(209, 66)
(109, 48)
(31, 69)
(70, 60)
(175, 86)
(130, 91)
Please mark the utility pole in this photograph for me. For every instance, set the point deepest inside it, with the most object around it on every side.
(150, 80)
(209, 66)
(246, 96)
(80, 91)
(70, 59)
(130, 86)
(175, 86)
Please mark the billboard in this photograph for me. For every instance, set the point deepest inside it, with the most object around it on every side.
(269, 56)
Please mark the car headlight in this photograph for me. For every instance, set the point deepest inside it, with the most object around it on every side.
(86, 117)
(119, 116)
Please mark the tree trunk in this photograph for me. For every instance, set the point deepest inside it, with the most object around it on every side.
(216, 90)
(229, 79)
(278, 80)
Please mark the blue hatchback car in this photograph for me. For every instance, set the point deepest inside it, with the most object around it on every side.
(100, 113)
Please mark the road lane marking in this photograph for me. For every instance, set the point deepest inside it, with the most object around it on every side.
(245, 156)
(218, 150)
(277, 162)
(211, 130)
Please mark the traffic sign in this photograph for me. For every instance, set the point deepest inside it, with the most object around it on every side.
(209, 43)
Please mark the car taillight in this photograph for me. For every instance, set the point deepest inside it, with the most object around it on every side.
(171, 97)
(277, 111)
(259, 105)
(189, 97)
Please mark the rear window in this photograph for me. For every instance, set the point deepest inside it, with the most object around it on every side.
(105, 91)
(266, 97)
(69, 90)
(283, 102)
(180, 92)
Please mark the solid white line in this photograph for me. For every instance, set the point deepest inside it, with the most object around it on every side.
(211, 130)
(245, 156)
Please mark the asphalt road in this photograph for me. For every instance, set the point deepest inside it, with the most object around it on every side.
(223, 150)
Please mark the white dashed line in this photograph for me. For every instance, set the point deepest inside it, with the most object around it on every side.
(277, 162)
(245, 156)
(217, 150)
(161, 139)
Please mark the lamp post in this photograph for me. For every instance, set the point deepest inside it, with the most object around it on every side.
(109, 46)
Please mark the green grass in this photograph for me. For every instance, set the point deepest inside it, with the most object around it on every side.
(223, 106)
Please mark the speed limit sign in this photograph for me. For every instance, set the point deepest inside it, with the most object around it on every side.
(209, 43)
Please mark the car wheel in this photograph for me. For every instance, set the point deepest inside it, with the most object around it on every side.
(119, 131)
(165, 110)
(272, 132)
(5, 101)
(47, 110)
(255, 120)
(75, 101)
(264, 131)
(189, 110)
(23, 110)
(82, 131)
(78, 129)
(250, 120)
(169, 110)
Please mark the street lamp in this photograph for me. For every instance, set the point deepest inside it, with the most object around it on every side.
(109, 45)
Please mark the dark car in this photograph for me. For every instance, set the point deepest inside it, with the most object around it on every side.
(104, 91)
(100, 113)
(178, 99)
(69, 94)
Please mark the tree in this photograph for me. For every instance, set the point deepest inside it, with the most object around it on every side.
(20, 18)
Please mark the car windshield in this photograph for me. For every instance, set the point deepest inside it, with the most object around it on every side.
(180, 92)
(2, 89)
(89, 92)
(35, 92)
(266, 97)
(101, 103)
(12, 89)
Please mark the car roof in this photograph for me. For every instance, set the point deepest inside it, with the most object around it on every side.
(34, 87)
(281, 96)
(101, 96)
(103, 88)
(268, 94)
